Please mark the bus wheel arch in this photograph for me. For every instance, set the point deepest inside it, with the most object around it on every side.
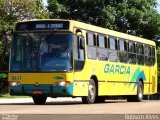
(98, 99)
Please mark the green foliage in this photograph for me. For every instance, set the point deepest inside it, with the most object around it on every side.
(88, 11)
(142, 19)
(3, 76)
(136, 17)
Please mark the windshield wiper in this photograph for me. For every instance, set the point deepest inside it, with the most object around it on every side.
(29, 35)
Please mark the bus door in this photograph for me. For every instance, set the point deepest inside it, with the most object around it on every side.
(150, 86)
(153, 72)
(147, 69)
(80, 83)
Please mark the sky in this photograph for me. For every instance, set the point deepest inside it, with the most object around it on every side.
(44, 2)
(158, 8)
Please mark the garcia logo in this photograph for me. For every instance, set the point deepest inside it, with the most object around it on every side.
(58, 77)
(116, 69)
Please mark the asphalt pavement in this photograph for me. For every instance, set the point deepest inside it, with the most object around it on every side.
(29, 100)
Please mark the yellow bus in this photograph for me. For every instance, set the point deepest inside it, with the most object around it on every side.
(67, 58)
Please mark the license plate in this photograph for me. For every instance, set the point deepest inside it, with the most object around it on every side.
(37, 92)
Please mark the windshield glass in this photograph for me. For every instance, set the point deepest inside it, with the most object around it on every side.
(41, 52)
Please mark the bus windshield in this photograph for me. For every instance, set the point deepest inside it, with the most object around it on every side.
(44, 52)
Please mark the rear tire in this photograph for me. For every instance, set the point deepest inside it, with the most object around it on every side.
(90, 99)
(139, 96)
(39, 100)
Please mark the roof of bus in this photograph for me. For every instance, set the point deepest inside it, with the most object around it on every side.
(100, 30)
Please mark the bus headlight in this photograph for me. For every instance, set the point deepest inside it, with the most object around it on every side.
(63, 83)
(13, 84)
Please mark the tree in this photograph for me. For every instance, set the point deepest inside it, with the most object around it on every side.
(11, 12)
(89, 11)
(136, 17)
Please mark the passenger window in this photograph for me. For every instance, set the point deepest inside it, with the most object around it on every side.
(140, 54)
(91, 47)
(102, 51)
(113, 53)
(91, 39)
(101, 41)
(153, 52)
(122, 45)
(112, 43)
(131, 47)
(153, 58)
(123, 56)
(147, 53)
(140, 49)
(131, 53)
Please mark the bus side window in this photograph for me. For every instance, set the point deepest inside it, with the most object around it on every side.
(81, 44)
(102, 51)
(131, 53)
(153, 58)
(123, 50)
(91, 46)
(79, 52)
(147, 53)
(113, 53)
(140, 54)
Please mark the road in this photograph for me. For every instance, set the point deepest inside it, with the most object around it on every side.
(74, 106)
(73, 109)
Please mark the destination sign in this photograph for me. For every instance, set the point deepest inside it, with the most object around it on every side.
(42, 25)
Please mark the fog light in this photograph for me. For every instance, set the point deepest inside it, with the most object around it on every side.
(13, 84)
(63, 83)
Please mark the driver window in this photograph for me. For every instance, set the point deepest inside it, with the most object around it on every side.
(79, 48)
(79, 52)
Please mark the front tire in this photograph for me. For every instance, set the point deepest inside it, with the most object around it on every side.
(90, 99)
(39, 100)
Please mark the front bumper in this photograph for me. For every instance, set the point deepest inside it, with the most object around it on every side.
(47, 90)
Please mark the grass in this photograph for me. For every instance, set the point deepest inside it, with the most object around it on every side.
(9, 96)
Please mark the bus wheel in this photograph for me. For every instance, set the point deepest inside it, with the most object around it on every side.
(139, 96)
(39, 100)
(90, 99)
